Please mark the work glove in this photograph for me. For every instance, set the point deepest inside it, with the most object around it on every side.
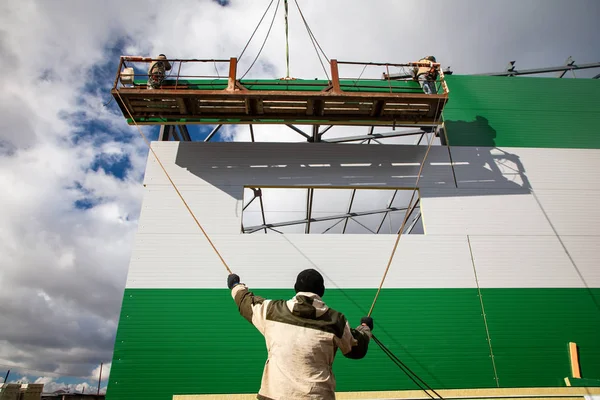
(368, 321)
(232, 280)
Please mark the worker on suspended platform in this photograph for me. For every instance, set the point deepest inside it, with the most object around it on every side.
(426, 75)
(157, 71)
(302, 336)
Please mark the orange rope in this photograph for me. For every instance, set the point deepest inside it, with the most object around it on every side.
(173, 184)
(406, 216)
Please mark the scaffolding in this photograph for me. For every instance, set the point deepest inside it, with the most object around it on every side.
(211, 100)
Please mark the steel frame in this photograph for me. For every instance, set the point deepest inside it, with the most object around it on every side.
(346, 217)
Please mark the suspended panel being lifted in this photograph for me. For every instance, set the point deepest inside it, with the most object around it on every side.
(286, 101)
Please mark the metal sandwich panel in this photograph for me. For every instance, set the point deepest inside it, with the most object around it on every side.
(273, 261)
(519, 168)
(163, 212)
(525, 262)
(295, 164)
(583, 252)
(482, 212)
(523, 112)
(571, 212)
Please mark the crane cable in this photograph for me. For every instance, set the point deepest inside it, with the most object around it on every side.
(264, 41)
(173, 184)
(287, 46)
(255, 29)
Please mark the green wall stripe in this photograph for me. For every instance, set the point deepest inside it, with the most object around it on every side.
(177, 341)
(523, 112)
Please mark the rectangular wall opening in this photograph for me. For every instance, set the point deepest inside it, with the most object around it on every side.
(317, 210)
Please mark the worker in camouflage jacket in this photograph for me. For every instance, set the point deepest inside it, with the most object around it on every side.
(157, 71)
(302, 336)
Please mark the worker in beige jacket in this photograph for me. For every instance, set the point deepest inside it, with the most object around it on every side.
(302, 336)
(426, 75)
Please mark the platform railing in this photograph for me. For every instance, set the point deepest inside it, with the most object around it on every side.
(125, 75)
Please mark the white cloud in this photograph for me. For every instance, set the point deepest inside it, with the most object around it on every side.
(62, 268)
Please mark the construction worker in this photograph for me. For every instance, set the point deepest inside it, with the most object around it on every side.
(302, 336)
(156, 72)
(426, 75)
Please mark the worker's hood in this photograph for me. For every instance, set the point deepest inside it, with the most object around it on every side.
(307, 305)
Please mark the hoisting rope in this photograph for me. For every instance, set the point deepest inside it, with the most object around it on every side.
(173, 183)
(287, 46)
(406, 216)
(411, 374)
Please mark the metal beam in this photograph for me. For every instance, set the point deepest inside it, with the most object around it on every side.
(292, 127)
(184, 133)
(350, 210)
(252, 229)
(385, 215)
(325, 130)
(309, 203)
(315, 134)
(407, 216)
(251, 132)
(167, 132)
(374, 136)
(412, 226)
(516, 72)
(213, 132)
(384, 76)
(569, 61)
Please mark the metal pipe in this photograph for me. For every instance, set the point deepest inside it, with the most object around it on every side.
(349, 210)
(309, 204)
(212, 133)
(373, 136)
(292, 127)
(385, 215)
(150, 59)
(251, 132)
(542, 70)
(411, 64)
(100, 378)
(253, 229)
(118, 73)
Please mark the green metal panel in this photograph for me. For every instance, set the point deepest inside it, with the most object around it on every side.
(531, 329)
(523, 112)
(177, 341)
(347, 85)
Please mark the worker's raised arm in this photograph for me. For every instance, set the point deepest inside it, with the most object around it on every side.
(251, 307)
(354, 343)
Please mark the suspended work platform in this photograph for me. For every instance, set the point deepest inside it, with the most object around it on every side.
(181, 100)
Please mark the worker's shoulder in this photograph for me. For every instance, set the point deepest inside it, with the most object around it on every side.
(330, 321)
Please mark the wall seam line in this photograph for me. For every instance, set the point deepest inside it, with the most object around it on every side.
(487, 330)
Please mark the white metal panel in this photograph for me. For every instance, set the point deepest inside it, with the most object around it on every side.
(584, 252)
(293, 164)
(523, 168)
(523, 262)
(572, 212)
(217, 210)
(481, 212)
(273, 261)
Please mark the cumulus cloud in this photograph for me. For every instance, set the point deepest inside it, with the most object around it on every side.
(71, 168)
